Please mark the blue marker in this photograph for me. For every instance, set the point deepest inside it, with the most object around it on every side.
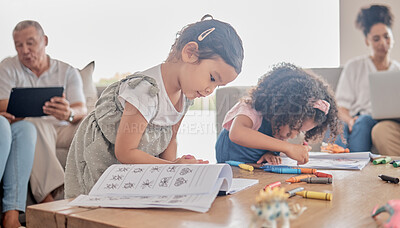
(234, 163)
(283, 170)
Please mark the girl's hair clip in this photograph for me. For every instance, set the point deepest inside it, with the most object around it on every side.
(322, 105)
(204, 34)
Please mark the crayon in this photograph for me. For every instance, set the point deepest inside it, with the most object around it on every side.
(246, 167)
(317, 180)
(298, 178)
(234, 163)
(274, 166)
(321, 174)
(293, 191)
(284, 170)
(394, 180)
(315, 195)
(273, 185)
(307, 170)
(396, 164)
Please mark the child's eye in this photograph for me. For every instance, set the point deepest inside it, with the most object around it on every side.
(212, 78)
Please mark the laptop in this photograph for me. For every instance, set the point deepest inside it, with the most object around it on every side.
(385, 94)
(28, 102)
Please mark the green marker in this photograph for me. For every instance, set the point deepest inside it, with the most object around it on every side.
(378, 161)
(396, 164)
(386, 160)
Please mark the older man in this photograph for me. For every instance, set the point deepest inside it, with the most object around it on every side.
(32, 67)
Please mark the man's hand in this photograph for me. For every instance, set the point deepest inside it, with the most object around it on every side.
(8, 116)
(57, 107)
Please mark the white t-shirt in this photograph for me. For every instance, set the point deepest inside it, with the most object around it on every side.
(352, 91)
(14, 74)
(147, 105)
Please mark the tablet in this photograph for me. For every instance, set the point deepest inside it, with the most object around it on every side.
(28, 102)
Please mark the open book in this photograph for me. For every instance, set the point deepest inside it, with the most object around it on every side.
(193, 187)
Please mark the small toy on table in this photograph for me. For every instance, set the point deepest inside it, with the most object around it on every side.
(393, 208)
(333, 148)
(271, 205)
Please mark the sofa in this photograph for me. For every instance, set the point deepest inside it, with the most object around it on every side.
(226, 97)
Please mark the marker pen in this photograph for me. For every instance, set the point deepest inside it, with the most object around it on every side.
(377, 161)
(394, 180)
(386, 160)
(396, 163)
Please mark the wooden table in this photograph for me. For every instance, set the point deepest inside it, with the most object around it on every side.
(355, 194)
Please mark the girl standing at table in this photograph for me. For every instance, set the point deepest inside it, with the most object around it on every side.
(136, 120)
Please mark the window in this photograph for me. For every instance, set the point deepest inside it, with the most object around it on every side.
(126, 36)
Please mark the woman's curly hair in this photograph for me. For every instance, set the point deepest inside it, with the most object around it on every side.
(285, 96)
(368, 17)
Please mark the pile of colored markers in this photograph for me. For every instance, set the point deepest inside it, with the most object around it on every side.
(311, 176)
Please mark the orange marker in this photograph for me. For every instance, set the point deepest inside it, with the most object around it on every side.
(321, 174)
(298, 178)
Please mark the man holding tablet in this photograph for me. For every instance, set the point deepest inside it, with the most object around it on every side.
(32, 67)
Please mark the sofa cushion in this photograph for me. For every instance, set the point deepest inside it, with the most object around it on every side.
(89, 89)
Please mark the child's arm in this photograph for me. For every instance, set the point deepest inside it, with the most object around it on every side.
(241, 133)
(130, 131)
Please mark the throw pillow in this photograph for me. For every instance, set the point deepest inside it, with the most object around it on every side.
(89, 89)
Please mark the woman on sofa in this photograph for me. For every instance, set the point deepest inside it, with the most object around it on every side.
(352, 92)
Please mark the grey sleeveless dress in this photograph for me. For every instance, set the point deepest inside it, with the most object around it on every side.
(92, 149)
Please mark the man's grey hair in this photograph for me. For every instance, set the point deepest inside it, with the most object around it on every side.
(28, 23)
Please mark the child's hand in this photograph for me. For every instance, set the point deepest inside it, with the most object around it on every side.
(189, 159)
(299, 153)
(270, 158)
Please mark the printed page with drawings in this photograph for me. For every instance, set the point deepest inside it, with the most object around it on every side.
(192, 187)
(323, 160)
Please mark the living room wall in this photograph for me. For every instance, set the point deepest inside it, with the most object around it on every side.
(352, 40)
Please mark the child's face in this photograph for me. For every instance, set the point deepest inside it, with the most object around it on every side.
(285, 133)
(200, 79)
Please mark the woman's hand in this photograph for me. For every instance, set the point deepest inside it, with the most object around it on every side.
(189, 159)
(351, 123)
(299, 153)
(270, 158)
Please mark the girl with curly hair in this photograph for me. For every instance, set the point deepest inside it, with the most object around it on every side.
(286, 101)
